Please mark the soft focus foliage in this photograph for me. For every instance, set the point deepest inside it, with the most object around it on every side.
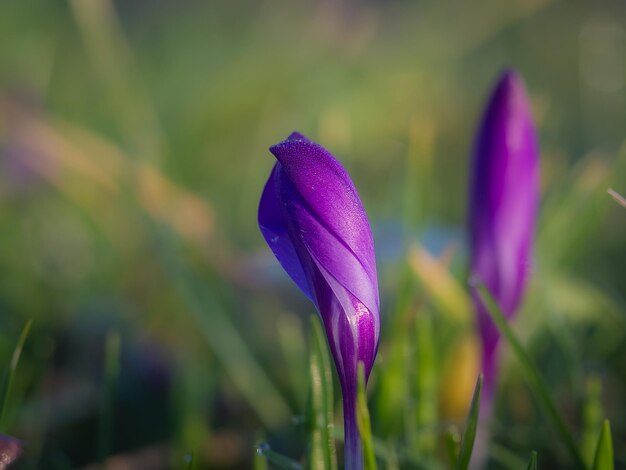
(133, 150)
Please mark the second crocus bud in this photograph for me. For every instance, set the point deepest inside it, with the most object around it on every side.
(312, 218)
(504, 193)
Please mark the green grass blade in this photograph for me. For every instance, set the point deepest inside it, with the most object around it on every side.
(10, 374)
(277, 461)
(391, 458)
(322, 450)
(467, 442)
(532, 465)
(259, 461)
(363, 422)
(592, 418)
(391, 408)
(506, 458)
(533, 376)
(604, 451)
(426, 384)
(451, 440)
(111, 374)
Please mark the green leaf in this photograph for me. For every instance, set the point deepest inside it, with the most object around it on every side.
(505, 458)
(532, 374)
(604, 451)
(452, 439)
(592, 418)
(5, 392)
(363, 422)
(467, 443)
(322, 450)
(426, 384)
(393, 396)
(259, 461)
(532, 465)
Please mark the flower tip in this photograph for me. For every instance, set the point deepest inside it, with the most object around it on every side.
(511, 87)
(283, 149)
(296, 136)
(510, 76)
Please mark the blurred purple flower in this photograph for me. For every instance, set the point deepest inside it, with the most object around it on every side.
(312, 218)
(503, 208)
(10, 451)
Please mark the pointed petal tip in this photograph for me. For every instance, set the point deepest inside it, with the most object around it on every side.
(294, 137)
(511, 85)
(510, 76)
(297, 136)
(296, 144)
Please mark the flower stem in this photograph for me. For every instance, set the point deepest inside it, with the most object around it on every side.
(352, 453)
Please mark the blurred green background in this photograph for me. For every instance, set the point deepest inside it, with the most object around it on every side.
(133, 151)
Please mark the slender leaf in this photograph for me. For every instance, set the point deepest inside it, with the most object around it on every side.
(534, 378)
(391, 406)
(392, 458)
(5, 393)
(592, 418)
(363, 421)
(322, 450)
(532, 465)
(467, 443)
(277, 461)
(506, 458)
(426, 384)
(259, 460)
(604, 451)
(452, 439)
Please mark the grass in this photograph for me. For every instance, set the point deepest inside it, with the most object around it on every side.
(133, 145)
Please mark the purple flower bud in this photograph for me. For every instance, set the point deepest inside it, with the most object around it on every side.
(503, 207)
(313, 220)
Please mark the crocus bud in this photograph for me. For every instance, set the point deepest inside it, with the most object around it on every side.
(503, 208)
(312, 218)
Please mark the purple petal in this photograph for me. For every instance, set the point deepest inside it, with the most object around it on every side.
(504, 193)
(324, 205)
(296, 136)
(274, 229)
(312, 218)
(503, 205)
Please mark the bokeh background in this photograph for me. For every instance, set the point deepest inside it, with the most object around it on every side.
(133, 150)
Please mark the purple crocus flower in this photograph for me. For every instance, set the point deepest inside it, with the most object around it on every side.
(502, 209)
(312, 218)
